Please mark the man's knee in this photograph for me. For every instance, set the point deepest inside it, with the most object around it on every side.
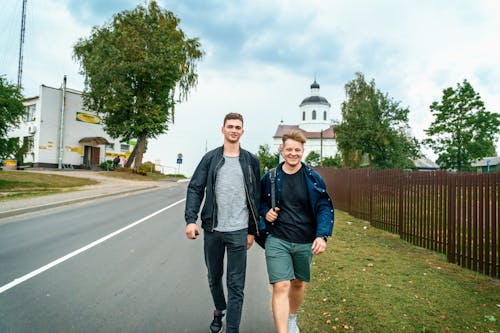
(281, 287)
(297, 284)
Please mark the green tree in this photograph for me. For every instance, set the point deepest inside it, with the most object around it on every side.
(12, 111)
(134, 67)
(313, 159)
(267, 159)
(332, 161)
(376, 126)
(462, 130)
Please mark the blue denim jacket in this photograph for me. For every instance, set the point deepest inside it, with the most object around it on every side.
(319, 199)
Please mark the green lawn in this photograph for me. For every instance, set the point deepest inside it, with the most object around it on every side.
(371, 281)
(20, 184)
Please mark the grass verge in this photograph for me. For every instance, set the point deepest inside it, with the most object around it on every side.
(150, 176)
(369, 280)
(20, 184)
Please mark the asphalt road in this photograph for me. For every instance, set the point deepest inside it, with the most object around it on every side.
(115, 265)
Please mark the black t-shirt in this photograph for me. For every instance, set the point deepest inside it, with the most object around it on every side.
(295, 221)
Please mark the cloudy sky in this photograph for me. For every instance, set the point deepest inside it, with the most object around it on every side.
(261, 57)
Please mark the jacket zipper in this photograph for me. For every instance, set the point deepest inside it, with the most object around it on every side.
(214, 203)
(251, 207)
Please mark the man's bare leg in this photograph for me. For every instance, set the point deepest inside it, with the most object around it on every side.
(281, 305)
(296, 295)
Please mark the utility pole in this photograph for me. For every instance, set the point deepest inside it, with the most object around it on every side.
(61, 126)
(21, 46)
(321, 149)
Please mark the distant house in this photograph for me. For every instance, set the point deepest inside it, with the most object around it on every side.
(487, 164)
(75, 140)
(425, 164)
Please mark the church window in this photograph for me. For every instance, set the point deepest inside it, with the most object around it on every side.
(324, 115)
(303, 115)
(314, 115)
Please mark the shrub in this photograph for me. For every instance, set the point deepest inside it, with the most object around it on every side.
(149, 167)
(107, 165)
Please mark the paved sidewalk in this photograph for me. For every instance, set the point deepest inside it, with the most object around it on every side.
(107, 186)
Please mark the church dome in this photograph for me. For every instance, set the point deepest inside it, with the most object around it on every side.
(315, 100)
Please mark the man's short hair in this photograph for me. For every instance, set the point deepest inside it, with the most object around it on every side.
(295, 135)
(233, 115)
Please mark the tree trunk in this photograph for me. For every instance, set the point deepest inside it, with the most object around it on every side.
(131, 158)
(141, 147)
(136, 155)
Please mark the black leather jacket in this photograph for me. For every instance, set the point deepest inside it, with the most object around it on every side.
(202, 184)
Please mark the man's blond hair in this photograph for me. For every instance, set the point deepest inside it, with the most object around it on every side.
(295, 135)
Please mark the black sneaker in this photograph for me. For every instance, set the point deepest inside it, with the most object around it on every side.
(216, 325)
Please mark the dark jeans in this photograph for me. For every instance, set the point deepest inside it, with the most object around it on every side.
(215, 245)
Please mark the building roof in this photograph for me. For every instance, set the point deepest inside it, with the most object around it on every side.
(425, 163)
(315, 100)
(494, 160)
(282, 129)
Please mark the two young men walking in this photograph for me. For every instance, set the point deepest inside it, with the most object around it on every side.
(227, 178)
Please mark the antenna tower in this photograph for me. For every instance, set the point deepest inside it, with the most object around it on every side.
(21, 45)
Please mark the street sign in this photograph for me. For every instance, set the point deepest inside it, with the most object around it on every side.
(179, 161)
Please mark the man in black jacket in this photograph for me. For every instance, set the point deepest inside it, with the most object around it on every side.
(228, 178)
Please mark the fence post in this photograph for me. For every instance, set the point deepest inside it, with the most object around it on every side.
(450, 181)
(370, 184)
(495, 212)
(349, 175)
(400, 203)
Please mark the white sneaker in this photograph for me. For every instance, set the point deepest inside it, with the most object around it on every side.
(292, 324)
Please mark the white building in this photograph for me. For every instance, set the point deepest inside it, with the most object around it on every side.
(316, 125)
(78, 141)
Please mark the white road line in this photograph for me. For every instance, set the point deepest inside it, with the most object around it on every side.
(80, 250)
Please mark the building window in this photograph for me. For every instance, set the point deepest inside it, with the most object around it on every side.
(110, 146)
(30, 112)
(314, 115)
(303, 115)
(29, 142)
(324, 115)
(124, 147)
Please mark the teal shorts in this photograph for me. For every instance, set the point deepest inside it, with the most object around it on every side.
(288, 261)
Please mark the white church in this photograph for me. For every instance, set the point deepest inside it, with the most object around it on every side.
(316, 125)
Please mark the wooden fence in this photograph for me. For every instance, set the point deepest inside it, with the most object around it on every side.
(453, 213)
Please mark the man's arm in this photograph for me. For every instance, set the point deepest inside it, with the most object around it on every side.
(196, 192)
(255, 183)
(324, 209)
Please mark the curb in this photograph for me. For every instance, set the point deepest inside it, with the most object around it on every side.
(19, 211)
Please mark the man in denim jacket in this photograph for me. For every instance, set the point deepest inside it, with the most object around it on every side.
(299, 227)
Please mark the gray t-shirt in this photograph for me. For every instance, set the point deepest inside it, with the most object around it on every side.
(232, 211)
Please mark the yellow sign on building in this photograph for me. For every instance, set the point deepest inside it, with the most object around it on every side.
(88, 118)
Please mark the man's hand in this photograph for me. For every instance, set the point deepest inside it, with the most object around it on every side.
(319, 245)
(250, 239)
(192, 231)
(272, 214)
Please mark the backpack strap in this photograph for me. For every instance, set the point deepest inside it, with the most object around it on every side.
(272, 178)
